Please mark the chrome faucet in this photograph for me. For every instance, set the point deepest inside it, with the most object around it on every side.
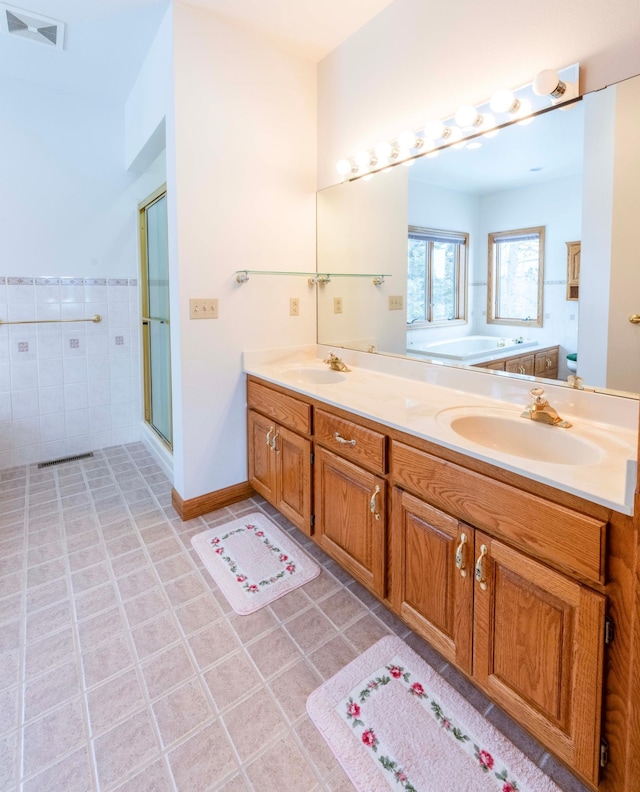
(336, 363)
(542, 411)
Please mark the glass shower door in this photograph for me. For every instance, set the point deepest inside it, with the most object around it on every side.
(155, 314)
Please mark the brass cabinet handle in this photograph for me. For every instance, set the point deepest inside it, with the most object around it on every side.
(480, 568)
(269, 436)
(372, 504)
(273, 442)
(342, 440)
(634, 318)
(521, 370)
(460, 555)
(549, 364)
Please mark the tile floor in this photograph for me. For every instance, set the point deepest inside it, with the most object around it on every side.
(122, 666)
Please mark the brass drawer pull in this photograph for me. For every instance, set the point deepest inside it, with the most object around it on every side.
(549, 363)
(460, 555)
(520, 369)
(342, 440)
(372, 504)
(480, 568)
(273, 442)
(269, 437)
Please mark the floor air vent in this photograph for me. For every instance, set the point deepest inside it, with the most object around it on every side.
(34, 27)
(65, 459)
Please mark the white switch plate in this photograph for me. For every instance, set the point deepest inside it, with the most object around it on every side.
(203, 308)
(294, 306)
(337, 305)
(395, 302)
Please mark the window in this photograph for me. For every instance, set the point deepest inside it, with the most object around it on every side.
(516, 277)
(437, 276)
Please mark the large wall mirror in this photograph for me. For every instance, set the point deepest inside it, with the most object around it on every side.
(556, 199)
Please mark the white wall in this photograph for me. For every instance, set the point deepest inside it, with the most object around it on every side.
(68, 221)
(241, 168)
(417, 60)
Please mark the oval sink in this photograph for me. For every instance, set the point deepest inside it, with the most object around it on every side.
(311, 375)
(520, 437)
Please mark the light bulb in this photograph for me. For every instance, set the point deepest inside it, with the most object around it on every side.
(488, 125)
(435, 130)
(344, 167)
(524, 108)
(384, 151)
(570, 92)
(504, 101)
(362, 159)
(467, 116)
(407, 140)
(547, 83)
(456, 138)
(428, 144)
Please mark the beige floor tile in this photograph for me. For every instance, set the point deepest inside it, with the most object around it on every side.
(249, 627)
(54, 734)
(339, 782)
(100, 628)
(137, 583)
(181, 711)
(113, 701)
(11, 607)
(282, 766)
(231, 680)
(48, 620)
(9, 709)
(45, 573)
(311, 629)
(130, 562)
(47, 594)
(166, 670)
(123, 544)
(147, 606)
(166, 548)
(213, 643)
(157, 533)
(365, 632)
(51, 689)
(49, 652)
(184, 589)
(173, 567)
(95, 600)
(9, 761)
(321, 755)
(342, 607)
(332, 656)
(203, 760)
(123, 749)
(198, 613)
(319, 587)
(10, 584)
(45, 552)
(72, 774)
(87, 557)
(10, 669)
(10, 635)
(105, 660)
(155, 778)
(273, 652)
(293, 687)
(252, 723)
(89, 578)
(154, 635)
(82, 541)
(291, 604)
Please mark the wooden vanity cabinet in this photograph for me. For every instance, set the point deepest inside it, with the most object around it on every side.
(524, 364)
(542, 363)
(546, 363)
(280, 458)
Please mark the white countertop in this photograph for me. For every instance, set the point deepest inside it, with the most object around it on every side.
(602, 453)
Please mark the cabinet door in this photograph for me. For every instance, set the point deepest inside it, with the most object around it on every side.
(547, 363)
(432, 578)
(262, 471)
(524, 364)
(350, 518)
(293, 466)
(538, 646)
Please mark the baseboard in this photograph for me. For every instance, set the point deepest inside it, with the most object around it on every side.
(203, 504)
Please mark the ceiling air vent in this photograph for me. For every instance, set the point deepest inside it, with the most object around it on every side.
(34, 27)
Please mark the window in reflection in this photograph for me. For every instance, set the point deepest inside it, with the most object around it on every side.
(516, 277)
(436, 276)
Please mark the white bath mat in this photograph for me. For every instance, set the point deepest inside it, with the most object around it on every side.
(253, 561)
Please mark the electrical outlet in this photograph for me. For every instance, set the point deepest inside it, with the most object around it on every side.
(203, 308)
(294, 306)
(395, 302)
(337, 305)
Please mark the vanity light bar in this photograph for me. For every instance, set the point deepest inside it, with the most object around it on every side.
(470, 122)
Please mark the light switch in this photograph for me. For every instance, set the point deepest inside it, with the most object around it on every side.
(202, 308)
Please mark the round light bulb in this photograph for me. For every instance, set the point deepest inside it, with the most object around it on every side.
(467, 116)
(503, 101)
(428, 144)
(362, 159)
(344, 167)
(456, 138)
(435, 129)
(407, 140)
(384, 151)
(570, 92)
(545, 82)
(488, 125)
(524, 107)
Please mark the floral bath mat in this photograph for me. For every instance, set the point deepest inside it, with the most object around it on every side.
(394, 723)
(253, 561)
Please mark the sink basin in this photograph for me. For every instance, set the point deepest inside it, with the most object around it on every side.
(507, 433)
(313, 375)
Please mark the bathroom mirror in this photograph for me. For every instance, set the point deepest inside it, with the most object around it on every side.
(569, 170)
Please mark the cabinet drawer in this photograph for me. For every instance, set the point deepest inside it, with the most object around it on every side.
(570, 541)
(351, 440)
(284, 409)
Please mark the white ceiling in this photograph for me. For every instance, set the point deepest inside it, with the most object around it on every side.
(106, 40)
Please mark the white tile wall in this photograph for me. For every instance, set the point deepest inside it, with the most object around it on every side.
(68, 388)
